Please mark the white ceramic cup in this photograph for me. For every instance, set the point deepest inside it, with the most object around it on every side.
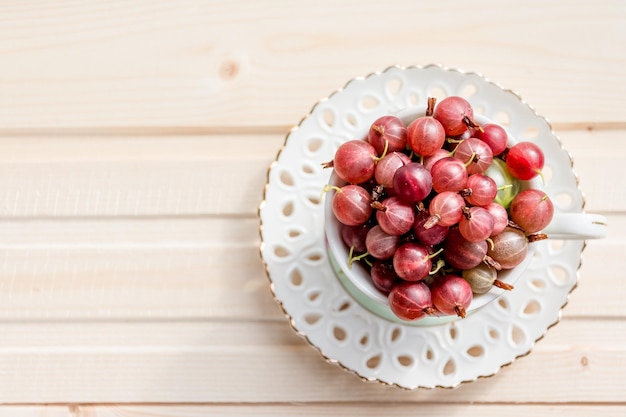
(356, 279)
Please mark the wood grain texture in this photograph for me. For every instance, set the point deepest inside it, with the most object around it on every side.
(361, 408)
(37, 411)
(135, 140)
(214, 63)
(234, 362)
(212, 175)
(194, 268)
(365, 409)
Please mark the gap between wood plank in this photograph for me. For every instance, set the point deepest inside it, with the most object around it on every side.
(208, 320)
(333, 404)
(232, 130)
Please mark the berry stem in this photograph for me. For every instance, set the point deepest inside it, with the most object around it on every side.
(457, 141)
(377, 205)
(472, 157)
(328, 164)
(492, 263)
(384, 152)
(431, 106)
(432, 220)
(329, 187)
(352, 259)
(435, 254)
(429, 310)
(536, 237)
(440, 264)
(472, 124)
(380, 129)
(515, 225)
(540, 174)
(503, 285)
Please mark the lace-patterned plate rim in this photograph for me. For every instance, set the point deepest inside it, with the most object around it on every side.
(333, 360)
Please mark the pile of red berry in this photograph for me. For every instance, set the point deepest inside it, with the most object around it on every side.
(418, 209)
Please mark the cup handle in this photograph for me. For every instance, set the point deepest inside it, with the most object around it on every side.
(577, 226)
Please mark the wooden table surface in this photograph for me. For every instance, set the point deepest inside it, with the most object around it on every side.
(135, 138)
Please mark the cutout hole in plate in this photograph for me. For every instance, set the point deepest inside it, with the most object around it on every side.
(405, 360)
(374, 361)
(314, 145)
(328, 118)
(394, 86)
(450, 367)
(339, 333)
(295, 277)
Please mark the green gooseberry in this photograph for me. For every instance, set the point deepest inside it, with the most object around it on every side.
(508, 186)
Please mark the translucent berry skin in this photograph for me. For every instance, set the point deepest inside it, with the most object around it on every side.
(460, 253)
(476, 154)
(381, 245)
(483, 190)
(508, 184)
(354, 236)
(480, 278)
(431, 160)
(390, 129)
(432, 236)
(355, 161)
(493, 135)
(500, 217)
(452, 295)
(532, 210)
(412, 262)
(451, 113)
(411, 301)
(412, 182)
(525, 160)
(449, 174)
(396, 217)
(425, 135)
(383, 276)
(351, 205)
(510, 248)
(447, 206)
(476, 225)
(386, 168)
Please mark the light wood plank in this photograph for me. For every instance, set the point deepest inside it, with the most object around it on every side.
(194, 268)
(226, 63)
(364, 409)
(233, 362)
(135, 284)
(133, 268)
(207, 175)
(35, 411)
(134, 146)
(132, 176)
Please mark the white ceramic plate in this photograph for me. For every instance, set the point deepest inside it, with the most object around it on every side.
(317, 305)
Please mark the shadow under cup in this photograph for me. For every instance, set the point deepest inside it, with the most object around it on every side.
(356, 280)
